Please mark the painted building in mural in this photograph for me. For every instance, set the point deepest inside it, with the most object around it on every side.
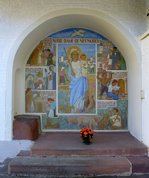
(77, 78)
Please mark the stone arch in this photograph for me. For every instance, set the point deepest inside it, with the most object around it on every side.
(90, 19)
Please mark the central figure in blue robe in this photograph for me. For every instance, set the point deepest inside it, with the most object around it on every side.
(78, 83)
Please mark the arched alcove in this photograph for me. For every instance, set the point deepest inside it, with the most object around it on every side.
(89, 19)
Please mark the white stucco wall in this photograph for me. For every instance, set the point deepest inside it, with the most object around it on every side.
(147, 12)
(145, 85)
(25, 22)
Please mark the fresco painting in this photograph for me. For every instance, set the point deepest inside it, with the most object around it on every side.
(39, 101)
(77, 78)
(113, 116)
(41, 78)
(43, 55)
(112, 85)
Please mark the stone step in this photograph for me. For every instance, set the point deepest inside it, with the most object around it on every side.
(107, 144)
(64, 155)
(140, 164)
(70, 166)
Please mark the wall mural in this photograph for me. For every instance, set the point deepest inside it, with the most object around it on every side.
(77, 78)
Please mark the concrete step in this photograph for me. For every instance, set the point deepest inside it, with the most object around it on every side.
(71, 166)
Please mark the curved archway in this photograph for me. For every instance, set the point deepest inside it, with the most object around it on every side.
(96, 21)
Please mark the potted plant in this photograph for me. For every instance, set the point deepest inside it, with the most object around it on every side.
(87, 135)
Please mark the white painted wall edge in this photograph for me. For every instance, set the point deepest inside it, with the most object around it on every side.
(15, 145)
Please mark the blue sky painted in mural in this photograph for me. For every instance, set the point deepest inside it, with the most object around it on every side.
(77, 33)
